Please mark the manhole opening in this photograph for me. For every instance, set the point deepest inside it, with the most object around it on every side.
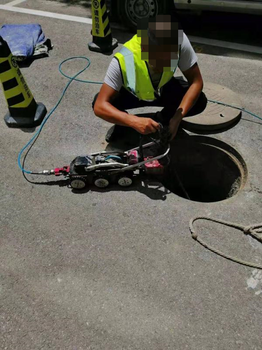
(203, 169)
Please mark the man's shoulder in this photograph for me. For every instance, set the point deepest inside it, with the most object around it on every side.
(113, 76)
(187, 57)
(184, 40)
(114, 64)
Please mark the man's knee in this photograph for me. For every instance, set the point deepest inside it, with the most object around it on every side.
(199, 106)
(94, 100)
(202, 102)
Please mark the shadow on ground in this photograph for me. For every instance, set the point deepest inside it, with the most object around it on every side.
(200, 169)
(151, 187)
(84, 3)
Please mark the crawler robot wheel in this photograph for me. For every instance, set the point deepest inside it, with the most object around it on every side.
(125, 181)
(78, 183)
(101, 182)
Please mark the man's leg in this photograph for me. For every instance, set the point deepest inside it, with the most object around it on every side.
(171, 97)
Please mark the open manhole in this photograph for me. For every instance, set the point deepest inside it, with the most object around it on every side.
(203, 169)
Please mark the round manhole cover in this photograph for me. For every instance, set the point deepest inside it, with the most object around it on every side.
(215, 117)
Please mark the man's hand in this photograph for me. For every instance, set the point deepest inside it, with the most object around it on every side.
(174, 124)
(145, 125)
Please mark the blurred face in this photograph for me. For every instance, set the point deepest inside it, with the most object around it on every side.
(159, 43)
(160, 56)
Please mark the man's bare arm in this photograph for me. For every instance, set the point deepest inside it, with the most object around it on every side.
(196, 84)
(104, 109)
(195, 81)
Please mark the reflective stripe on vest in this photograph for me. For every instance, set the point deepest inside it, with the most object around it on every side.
(130, 68)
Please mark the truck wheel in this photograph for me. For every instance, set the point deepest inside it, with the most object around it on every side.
(130, 11)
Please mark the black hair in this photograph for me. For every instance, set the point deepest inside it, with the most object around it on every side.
(143, 23)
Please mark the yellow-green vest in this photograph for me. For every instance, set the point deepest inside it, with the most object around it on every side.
(135, 71)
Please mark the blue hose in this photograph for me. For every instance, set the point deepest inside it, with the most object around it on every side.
(241, 109)
(113, 157)
(71, 79)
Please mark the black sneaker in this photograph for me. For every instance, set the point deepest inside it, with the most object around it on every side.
(116, 132)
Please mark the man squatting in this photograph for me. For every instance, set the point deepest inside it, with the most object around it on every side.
(142, 74)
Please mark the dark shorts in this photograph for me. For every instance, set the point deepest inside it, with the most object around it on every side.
(170, 99)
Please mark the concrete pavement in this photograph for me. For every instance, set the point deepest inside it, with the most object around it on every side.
(118, 269)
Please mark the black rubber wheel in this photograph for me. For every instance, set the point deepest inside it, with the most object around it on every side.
(130, 11)
(101, 182)
(78, 183)
(125, 181)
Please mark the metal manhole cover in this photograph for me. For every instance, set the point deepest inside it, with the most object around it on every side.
(215, 117)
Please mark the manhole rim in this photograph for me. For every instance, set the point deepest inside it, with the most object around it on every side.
(233, 155)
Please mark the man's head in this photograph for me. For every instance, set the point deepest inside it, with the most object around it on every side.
(160, 39)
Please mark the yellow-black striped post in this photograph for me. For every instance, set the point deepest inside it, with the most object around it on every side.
(24, 112)
(101, 31)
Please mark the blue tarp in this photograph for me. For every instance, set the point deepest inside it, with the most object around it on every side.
(23, 39)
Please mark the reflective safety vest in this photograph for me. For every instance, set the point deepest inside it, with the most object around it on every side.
(135, 71)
